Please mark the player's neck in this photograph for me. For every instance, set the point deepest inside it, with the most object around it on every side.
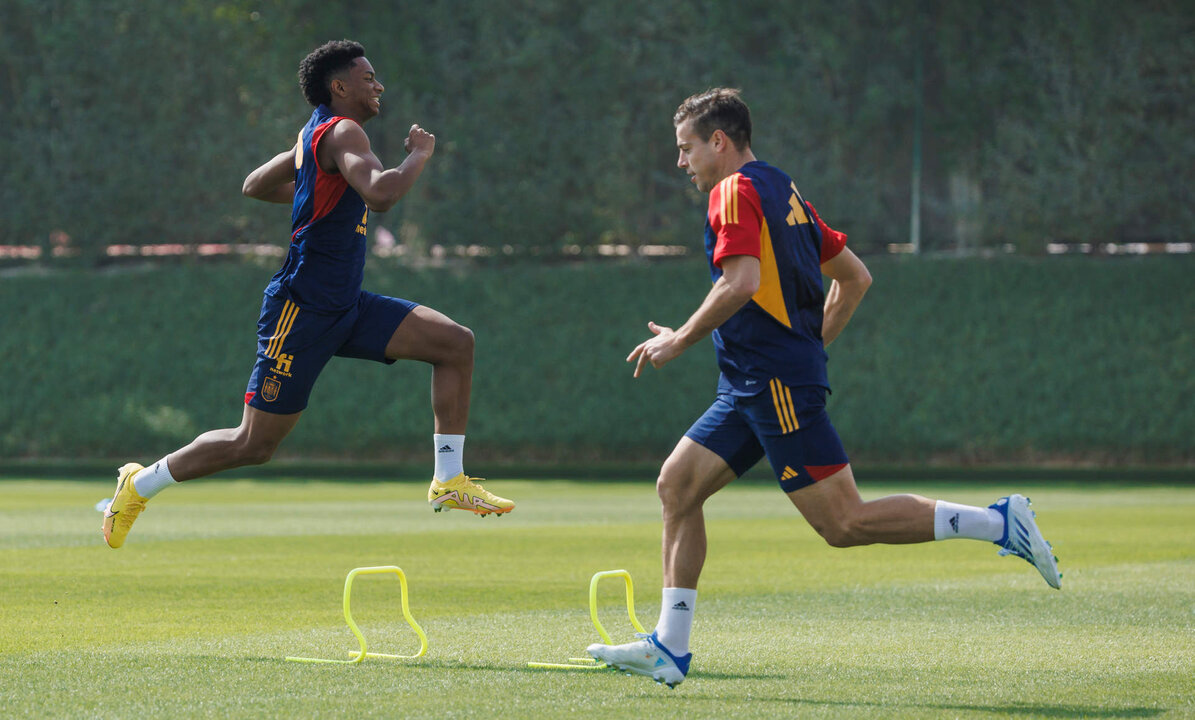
(744, 157)
(340, 110)
(736, 160)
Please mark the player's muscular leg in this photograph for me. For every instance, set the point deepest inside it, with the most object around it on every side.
(833, 507)
(253, 443)
(690, 475)
(432, 337)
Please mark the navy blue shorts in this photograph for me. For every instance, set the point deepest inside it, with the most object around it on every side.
(294, 344)
(787, 425)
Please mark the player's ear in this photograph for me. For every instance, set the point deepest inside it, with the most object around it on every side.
(718, 140)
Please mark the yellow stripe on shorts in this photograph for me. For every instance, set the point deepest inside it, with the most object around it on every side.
(791, 408)
(285, 321)
(782, 398)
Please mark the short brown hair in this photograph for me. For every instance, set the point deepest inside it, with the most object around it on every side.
(717, 109)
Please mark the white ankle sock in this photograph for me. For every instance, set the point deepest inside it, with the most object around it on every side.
(965, 521)
(153, 479)
(450, 456)
(676, 619)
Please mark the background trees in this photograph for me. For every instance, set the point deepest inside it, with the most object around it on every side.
(1066, 120)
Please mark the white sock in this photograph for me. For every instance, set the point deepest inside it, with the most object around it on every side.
(450, 456)
(676, 619)
(965, 521)
(153, 479)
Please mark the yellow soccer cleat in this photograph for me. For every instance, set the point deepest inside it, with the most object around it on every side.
(461, 493)
(126, 505)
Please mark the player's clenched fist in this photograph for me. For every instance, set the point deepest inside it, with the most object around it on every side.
(420, 140)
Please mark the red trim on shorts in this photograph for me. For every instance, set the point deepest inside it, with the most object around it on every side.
(249, 396)
(821, 472)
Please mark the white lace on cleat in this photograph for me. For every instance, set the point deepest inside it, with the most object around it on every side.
(645, 656)
(1023, 539)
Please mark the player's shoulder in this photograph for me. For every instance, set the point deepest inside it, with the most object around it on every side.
(763, 175)
(342, 125)
(340, 131)
(726, 197)
(738, 183)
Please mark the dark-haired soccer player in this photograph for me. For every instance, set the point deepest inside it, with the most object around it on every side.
(314, 307)
(771, 321)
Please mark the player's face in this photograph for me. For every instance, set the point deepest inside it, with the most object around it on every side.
(363, 89)
(698, 157)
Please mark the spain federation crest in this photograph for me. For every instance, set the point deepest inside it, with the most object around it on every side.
(270, 389)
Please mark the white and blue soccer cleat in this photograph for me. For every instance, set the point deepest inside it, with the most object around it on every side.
(645, 656)
(1023, 539)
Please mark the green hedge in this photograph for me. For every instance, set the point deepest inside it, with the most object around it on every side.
(1019, 361)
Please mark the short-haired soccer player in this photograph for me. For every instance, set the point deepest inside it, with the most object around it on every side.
(314, 306)
(771, 320)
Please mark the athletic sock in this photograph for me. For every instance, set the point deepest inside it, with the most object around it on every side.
(450, 456)
(965, 521)
(153, 479)
(676, 619)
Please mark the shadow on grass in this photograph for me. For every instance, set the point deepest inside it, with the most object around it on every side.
(704, 675)
(1012, 710)
(439, 665)
(1060, 711)
(1040, 710)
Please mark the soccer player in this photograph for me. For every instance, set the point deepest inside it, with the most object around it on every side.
(314, 306)
(771, 320)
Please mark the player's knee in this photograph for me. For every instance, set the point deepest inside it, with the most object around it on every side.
(841, 532)
(675, 494)
(259, 454)
(454, 345)
(837, 538)
(464, 341)
(255, 451)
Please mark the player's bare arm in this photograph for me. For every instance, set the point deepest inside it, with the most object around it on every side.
(274, 181)
(346, 150)
(739, 282)
(850, 282)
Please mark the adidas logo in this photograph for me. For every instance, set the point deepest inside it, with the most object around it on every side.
(446, 448)
(954, 523)
(680, 606)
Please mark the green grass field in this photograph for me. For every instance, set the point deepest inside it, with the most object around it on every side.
(222, 579)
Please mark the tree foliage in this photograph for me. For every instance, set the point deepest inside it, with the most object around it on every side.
(1068, 120)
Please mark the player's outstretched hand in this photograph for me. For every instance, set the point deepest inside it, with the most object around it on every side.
(657, 350)
(420, 140)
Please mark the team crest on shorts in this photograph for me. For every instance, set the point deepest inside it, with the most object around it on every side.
(270, 388)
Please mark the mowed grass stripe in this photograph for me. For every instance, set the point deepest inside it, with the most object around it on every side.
(786, 626)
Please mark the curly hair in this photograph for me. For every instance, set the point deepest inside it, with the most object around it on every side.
(717, 109)
(325, 62)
